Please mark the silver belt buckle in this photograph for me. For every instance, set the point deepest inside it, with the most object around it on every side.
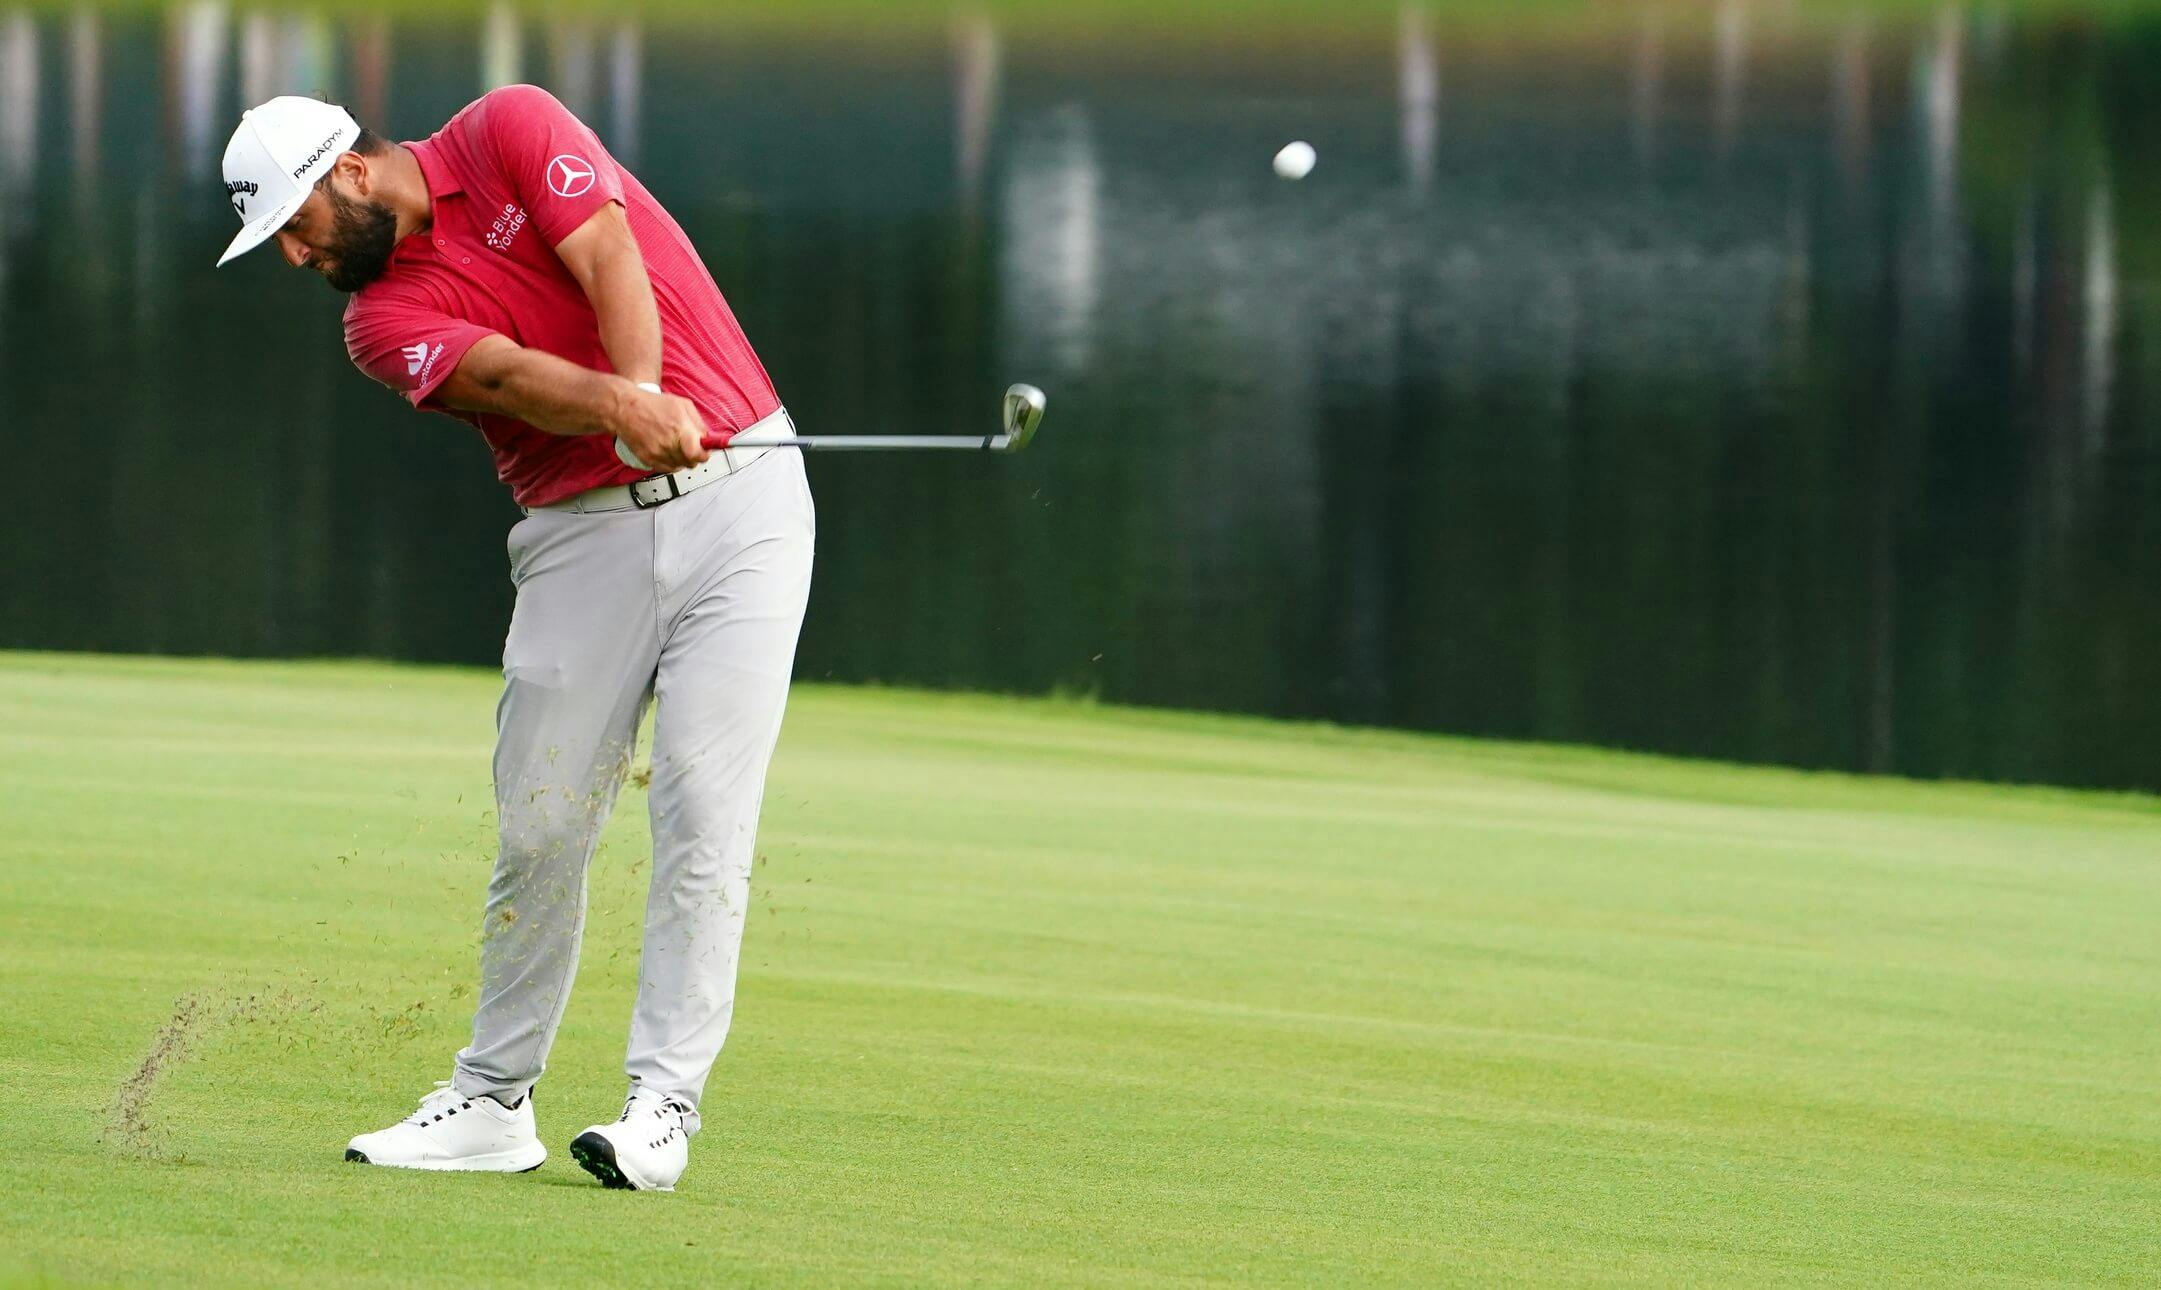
(675, 490)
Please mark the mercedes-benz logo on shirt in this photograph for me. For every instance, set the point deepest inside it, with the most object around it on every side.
(569, 176)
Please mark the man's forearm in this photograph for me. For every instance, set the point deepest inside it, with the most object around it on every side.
(556, 395)
(602, 254)
(538, 388)
(622, 298)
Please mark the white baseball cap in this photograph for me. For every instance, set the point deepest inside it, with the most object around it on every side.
(277, 153)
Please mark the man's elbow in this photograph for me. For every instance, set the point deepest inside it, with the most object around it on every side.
(496, 378)
(486, 378)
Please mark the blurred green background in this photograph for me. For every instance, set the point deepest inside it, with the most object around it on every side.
(1757, 380)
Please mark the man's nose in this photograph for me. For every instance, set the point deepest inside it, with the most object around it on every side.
(294, 251)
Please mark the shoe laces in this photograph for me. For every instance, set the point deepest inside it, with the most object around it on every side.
(660, 1105)
(444, 1101)
(672, 1112)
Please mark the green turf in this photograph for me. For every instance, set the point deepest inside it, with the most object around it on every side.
(1042, 993)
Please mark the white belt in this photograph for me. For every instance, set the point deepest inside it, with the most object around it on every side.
(659, 490)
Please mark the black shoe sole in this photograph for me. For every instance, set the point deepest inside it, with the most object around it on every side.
(597, 1155)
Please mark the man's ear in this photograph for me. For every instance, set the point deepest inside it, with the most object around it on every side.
(355, 171)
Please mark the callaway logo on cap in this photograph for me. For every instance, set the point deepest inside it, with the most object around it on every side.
(277, 153)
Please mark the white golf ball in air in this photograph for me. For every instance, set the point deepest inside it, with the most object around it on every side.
(1296, 159)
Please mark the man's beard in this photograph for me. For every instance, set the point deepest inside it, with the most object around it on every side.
(363, 234)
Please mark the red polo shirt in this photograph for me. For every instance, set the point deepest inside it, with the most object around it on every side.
(509, 177)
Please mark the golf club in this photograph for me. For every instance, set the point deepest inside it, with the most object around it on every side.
(1019, 416)
(1021, 413)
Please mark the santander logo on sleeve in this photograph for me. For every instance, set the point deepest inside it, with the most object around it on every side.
(569, 176)
(420, 360)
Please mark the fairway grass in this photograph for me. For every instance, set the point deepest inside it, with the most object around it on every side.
(1040, 993)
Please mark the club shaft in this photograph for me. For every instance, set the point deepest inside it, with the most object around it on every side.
(876, 442)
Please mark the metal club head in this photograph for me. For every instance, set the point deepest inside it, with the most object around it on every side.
(1023, 413)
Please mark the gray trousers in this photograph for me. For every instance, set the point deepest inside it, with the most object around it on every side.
(696, 605)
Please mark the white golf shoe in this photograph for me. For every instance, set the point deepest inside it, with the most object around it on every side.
(453, 1131)
(646, 1149)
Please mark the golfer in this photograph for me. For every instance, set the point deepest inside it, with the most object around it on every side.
(508, 272)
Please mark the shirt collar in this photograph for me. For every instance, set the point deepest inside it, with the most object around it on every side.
(442, 179)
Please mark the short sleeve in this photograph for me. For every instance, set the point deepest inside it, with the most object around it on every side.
(548, 158)
(408, 345)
